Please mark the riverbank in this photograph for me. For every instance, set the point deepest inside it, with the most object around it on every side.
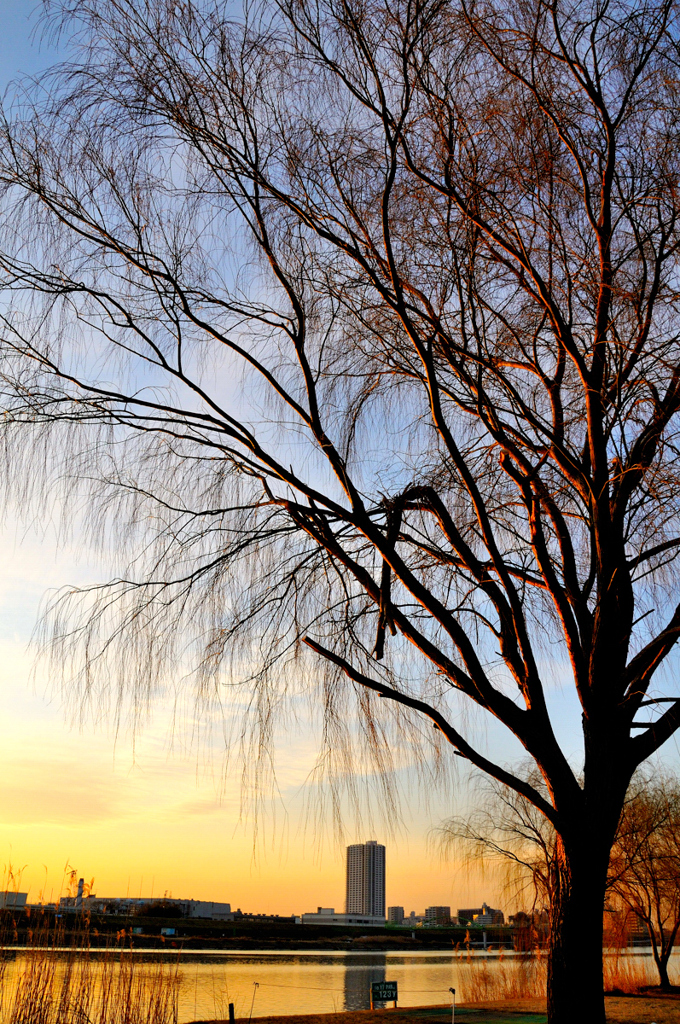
(643, 1009)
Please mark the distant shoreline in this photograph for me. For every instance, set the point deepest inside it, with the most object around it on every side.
(281, 950)
(182, 946)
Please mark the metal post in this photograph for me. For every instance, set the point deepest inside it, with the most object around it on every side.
(256, 985)
(453, 1005)
(231, 1013)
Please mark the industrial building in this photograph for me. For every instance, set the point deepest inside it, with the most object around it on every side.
(126, 905)
(13, 900)
(327, 916)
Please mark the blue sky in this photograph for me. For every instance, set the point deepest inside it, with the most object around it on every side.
(23, 47)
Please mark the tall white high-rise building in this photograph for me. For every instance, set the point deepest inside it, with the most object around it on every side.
(365, 891)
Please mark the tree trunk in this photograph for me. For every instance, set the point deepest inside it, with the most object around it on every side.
(662, 967)
(575, 979)
(661, 951)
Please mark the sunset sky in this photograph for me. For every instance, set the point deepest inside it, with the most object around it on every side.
(153, 812)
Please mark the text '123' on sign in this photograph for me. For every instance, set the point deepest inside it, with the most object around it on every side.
(383, 991)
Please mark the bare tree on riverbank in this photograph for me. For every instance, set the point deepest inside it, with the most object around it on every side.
(506, 830)
(363, 320)
(645, 866)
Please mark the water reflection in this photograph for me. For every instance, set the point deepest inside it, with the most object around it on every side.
(359, 976)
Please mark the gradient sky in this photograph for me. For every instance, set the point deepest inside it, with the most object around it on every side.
(154, 812)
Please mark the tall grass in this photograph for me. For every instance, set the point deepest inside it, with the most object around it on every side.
(46, 984)
(483, 980)
(525, 977)
(630, 974)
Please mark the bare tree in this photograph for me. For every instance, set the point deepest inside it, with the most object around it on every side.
(645, 867)
(361, 319)
(508, 832)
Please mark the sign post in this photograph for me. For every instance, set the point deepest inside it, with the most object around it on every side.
(453, 1005)
(383, 992)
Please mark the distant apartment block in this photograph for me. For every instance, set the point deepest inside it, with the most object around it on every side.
(327, 916)
(395, 915)
(483, 916)
(437, 915)
(365, 885)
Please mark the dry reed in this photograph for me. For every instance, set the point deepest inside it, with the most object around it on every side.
(496, 978)
(47, 985)
(629, 974)
(481, 980)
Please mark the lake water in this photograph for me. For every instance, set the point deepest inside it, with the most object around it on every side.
(266, 982)
(315, 983)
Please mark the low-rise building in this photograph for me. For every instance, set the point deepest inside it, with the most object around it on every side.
(327, 916)
(207, 909)
(395, 915)
(240, 915)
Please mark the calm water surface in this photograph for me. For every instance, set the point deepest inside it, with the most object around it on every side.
(294, 982)
(308, 983)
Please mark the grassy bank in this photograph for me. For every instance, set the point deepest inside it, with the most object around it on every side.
(620, 1010)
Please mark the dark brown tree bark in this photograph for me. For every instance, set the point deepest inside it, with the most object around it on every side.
(358, 326)
(575, 964)
(577, 896)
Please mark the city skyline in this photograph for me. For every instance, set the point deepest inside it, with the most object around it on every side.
(365, 875)
(143, 816)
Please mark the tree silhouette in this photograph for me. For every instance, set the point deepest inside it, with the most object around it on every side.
(360, 319)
